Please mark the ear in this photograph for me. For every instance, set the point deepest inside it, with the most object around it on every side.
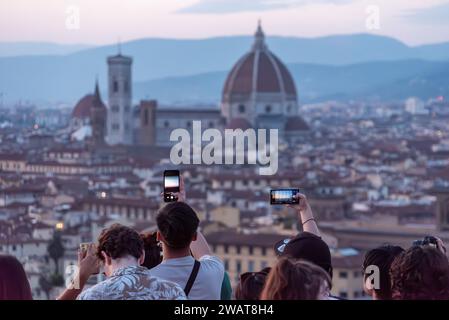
(368, 287)
(194, 236)
(158, 236)
(107, 259)
(142, 258)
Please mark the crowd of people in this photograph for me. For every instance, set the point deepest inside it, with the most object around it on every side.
(176, 263)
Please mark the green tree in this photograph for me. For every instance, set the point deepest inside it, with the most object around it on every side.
(56, 249)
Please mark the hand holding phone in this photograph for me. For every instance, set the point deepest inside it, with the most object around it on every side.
(284, 196)
(172, 185)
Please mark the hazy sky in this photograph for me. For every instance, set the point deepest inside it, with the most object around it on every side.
(104, 21)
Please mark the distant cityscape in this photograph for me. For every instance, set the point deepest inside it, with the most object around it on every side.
(374, 172)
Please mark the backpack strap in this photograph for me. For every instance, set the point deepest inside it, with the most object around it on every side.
(192, 278)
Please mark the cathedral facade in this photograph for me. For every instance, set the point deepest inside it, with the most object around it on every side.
(259, 92)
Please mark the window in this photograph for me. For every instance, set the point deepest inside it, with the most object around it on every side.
(145, 117)
(115, 86)
(115, 108)
(211, 124)
(238, 248)
(250, 265)
(238, 266)
(241, 108)
(226, 264)
(343, 274)
(264, 251)
(115, 126)
(357, 274)
(289, 108)
(226, 248)
(251, 249)
(343, 294)
(126, 86)
(267, 109)
(166, 124)
(189, 124)
(127, 108)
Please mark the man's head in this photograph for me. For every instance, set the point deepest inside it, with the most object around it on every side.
(420, 273)
(381, 258)
(307, 246)
(119, 245)
(177, 225)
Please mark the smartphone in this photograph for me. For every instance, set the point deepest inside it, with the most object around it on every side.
(171, 185)
(284, 196)
(84, 246)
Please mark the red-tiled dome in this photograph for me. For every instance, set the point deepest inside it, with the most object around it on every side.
(259, 70)
(296, 124)
(239, 123)
(82, 108)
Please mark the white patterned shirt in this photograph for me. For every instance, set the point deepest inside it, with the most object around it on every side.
(133, 283)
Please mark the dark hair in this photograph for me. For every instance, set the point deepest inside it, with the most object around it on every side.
(152, 250)
(119, 241)
(177, 222)
(251, 285)
(14, 284)
(310, 247)
(382, 257)
(293, 279)
(420, 273)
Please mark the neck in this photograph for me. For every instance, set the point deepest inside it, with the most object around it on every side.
(123, 263)
(170, 253)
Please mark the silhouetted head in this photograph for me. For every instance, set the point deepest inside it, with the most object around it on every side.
(309, 247)
(251, 285)
(119, 242)
(381, 258)
(177, 225)
(153, 252)
(14, 284)
(420, 273)
(293, 279)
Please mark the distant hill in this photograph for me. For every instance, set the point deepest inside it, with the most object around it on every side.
(67, 77)
(10, 49)
(392, 80)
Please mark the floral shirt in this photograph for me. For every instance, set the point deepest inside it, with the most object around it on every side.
(133, 283)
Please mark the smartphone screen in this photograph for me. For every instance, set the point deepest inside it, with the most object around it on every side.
(171, 185)
(284, 196)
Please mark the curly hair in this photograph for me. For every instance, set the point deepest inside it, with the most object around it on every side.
(294, 279)
(152, 250)
(420, 273)
(118, 241)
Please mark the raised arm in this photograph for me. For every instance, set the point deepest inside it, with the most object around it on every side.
(305, 215)
(88, 264)
(200, 247)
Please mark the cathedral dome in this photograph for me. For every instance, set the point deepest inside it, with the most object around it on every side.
(83, 107)
(259, 71)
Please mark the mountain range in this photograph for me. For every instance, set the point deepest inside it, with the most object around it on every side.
(170, 70)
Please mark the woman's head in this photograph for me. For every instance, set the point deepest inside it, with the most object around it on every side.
(294, 279)
(119, 242)
(14, 284)
(251, 285)
(379, 259)
(420, 273)
(152, 250)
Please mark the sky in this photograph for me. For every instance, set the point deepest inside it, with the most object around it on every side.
(99, 22)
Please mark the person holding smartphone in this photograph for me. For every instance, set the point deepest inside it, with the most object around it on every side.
(187, 258)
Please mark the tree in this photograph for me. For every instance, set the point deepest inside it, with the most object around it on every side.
(56, 249)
